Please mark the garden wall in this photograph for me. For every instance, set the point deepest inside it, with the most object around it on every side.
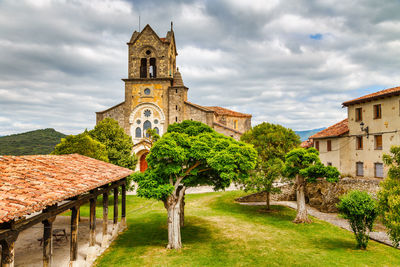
(321, 195)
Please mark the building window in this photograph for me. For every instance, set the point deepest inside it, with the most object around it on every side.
(153, 68)
(147, 91)
(359, 142)
(377, 111)
(157, 130)
(146, 126)
(378, 142)
(379, 170)
(143, 68)
(138, 132)
(235, 125)
(317, 145)
(176, 90)
(358, 114)
(329, 145)
(329, 163)
(176, 119)
(359, 168)
(176, 107)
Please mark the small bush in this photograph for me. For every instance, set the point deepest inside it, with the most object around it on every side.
(389, 195)
(360, 209)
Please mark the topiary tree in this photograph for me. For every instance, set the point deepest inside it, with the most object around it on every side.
(188, 155)
(82, 144)
(304, 166)
(272, 142)
(360, 209)
(389, 195)
(118, 144)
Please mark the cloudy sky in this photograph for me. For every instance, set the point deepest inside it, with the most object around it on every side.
(287, 62)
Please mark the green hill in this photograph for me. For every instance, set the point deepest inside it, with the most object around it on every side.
(37, 142)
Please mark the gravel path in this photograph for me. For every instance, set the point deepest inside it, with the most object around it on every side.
(332, 218)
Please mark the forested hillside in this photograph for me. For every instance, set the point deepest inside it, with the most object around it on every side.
(30, 143)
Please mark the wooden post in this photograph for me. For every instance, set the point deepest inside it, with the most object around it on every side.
(74, 235)
(48, 241)
(105, 220)
(115, 206)
(123, 205)
(92, 225)
(7, 250)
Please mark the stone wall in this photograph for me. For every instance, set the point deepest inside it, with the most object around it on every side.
(116, 113)
(321, 195)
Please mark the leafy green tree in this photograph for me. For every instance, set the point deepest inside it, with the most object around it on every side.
(82, 144)
(188, 155)
(360, 209)
(305, 166)
(118, 144)
(272, 142)
(389, 195)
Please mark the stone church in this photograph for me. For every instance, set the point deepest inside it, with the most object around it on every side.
(155, 95)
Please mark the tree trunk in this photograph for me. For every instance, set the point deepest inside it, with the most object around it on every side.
(301, 216)
(268, 201)
(174, 228)
(182, 206)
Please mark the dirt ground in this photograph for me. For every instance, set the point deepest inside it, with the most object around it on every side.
(29, 252)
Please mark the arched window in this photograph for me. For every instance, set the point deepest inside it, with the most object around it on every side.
(153, 68)
(143, 68)
(138, 132)
(157, 131)
(146, 125)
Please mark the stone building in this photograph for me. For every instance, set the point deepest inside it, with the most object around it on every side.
(356, 145)
(155, 95)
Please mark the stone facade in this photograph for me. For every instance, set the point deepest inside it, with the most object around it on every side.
(367, 137)
(155, 95)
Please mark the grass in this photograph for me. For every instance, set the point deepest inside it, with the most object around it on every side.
(219, 232)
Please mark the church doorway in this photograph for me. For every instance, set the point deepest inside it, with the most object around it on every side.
(143, 162)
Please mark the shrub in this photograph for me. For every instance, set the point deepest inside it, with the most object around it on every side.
(360, 209)
(389, 196)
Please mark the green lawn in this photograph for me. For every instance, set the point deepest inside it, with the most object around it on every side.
(219, 232)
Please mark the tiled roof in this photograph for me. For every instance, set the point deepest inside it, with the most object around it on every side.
(220, 111)
(337, 129)
(30, 183)
(373, 96)
(227, 112)
(306, 144)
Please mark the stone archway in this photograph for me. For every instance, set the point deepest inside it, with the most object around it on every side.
(143, 162)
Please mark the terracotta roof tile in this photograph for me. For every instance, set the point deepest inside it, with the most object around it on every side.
(227, 112)
(373, 96)
(337, 129)
(306, 144)
(30, 183)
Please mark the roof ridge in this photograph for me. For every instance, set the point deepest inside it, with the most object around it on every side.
(327, 132)
(381, 93)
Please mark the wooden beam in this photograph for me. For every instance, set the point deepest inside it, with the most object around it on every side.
(7, 250)
(123, 205)
(48, 241)
(115, 206)
(92, 223)
(6, 230)
(105, 220)
(74, 235)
